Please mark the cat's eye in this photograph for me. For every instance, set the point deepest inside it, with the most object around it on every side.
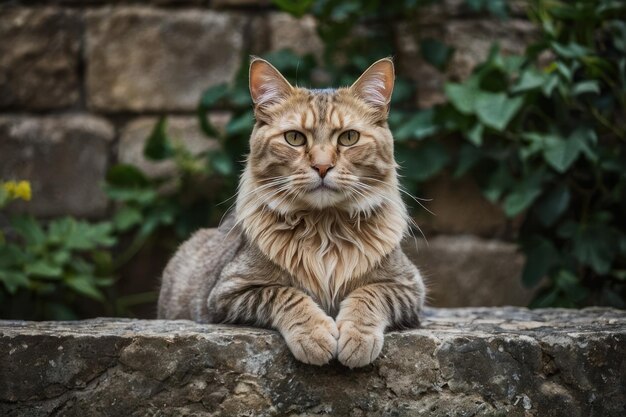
(348, 138)
(295, 138)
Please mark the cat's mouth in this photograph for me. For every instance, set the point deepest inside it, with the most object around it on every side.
(323, 187)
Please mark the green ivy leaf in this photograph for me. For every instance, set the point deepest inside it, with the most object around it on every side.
(469, 156)
(570, 285)
(29, 229)
(560, 153)
(550, 207)
(595, 245)
(523, 194)
(212, 95)
(13, 280)
(129, 195)
(422, 162)
(530, 79)
(462, 96)
(436, 53)
(124, 175)
(571, 50)
(585, 87)
(475, 135)
(159, 146)
(403, 90)
(12, 255)
(241, 124)
(541, 255)
(43, 269)
(126, 217)
(297, 8)
(421, 125)
(221, 163)
(551, 83)
(498, 183)
(496, 109)
(58, 311)
(85, 285)
(205, 124)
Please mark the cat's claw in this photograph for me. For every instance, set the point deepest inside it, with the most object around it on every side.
(314, 343)
(358, 346)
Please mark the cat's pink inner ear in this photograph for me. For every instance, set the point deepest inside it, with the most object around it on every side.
(267, 85)
(375, 85)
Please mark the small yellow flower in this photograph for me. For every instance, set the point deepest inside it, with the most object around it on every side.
(18, 189)
(23, 191)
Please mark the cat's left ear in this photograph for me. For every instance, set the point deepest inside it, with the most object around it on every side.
(267, 84)
(375, 85)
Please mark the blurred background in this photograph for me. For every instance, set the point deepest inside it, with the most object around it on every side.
(123, 125)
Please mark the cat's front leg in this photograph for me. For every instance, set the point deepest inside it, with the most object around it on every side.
(309, 332)
(367, 312)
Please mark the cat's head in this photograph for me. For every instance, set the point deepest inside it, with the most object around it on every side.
(315, 149)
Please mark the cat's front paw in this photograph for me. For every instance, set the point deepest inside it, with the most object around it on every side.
(314, 342)
(358, 345)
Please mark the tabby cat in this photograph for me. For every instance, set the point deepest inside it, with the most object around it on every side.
(313, 249)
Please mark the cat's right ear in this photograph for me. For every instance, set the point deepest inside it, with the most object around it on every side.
(267, 85)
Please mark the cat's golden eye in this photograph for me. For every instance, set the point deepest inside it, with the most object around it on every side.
(295, 138)
(348, 138)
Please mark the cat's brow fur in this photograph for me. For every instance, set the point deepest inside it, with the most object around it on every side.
(325, 268)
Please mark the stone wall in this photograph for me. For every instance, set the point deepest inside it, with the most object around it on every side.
(82, 80)
(465, 362)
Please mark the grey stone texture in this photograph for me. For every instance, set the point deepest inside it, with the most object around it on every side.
(64, 157)
(299, 35)
(471, 39)
(457, 206)
(466, 270)
(144, 59)
(182, 130)
(39, 58)
(464, 362)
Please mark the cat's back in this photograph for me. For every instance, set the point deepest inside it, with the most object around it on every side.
(193, 271)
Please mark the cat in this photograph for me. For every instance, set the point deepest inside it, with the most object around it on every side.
(313, 248)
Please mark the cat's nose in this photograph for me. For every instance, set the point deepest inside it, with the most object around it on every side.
(322, 169)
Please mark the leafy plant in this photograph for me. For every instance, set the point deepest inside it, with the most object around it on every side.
(46, 271)
(545, 137)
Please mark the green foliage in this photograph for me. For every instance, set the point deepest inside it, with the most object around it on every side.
(45, 271)
(547, 135)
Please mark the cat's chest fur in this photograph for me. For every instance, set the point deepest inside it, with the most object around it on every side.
(324, 251)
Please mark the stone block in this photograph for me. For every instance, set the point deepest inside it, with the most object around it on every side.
(64, 157)
(224, 4)
(461, 271)
(472, 40)
(298, 35)
(458, 206)
(183, 130)
(461, 362)
(142, 59)
(39, 58)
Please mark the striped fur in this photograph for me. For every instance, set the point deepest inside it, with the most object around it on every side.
(321, 265)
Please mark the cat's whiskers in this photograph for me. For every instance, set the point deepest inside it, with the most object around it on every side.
(275, 181)
(403, 190)
(259, 201)
(409, 219)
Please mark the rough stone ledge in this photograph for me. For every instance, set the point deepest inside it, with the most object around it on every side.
(465, 362)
